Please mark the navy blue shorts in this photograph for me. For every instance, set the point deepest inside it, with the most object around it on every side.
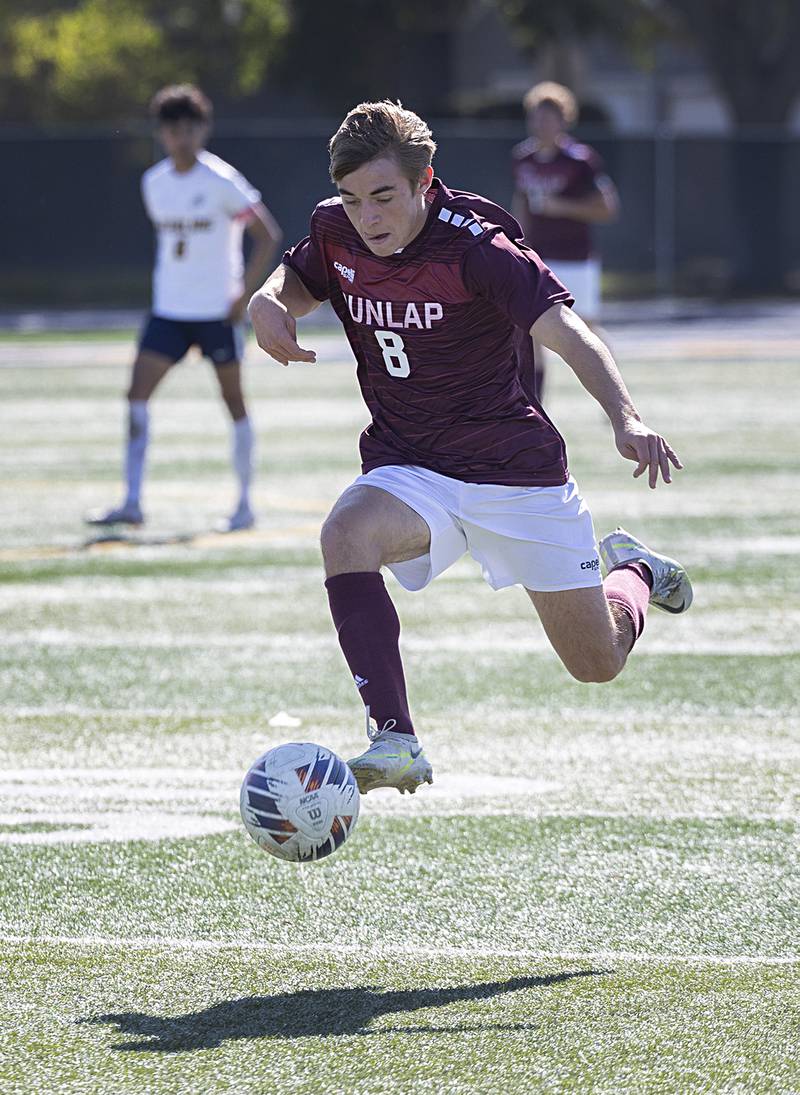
(221, 342)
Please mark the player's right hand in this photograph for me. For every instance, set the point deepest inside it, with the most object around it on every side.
(648, 449)
(276, 330)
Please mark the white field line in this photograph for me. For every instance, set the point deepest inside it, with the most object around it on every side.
(135, 803)
(614, 720)
(114, 826)
(195, 799)
(329, 950)
(331, 348)
(719, 336)
(714, 640)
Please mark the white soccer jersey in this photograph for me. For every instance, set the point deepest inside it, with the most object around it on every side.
(199, 218)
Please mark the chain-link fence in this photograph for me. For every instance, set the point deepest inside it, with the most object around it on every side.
(700, 214)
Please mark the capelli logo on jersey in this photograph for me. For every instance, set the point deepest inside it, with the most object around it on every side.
(346, 271)
(591, 564)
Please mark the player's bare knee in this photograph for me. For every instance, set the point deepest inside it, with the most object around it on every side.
(597, 667)
(347, 544)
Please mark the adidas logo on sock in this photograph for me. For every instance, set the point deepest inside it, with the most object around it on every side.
(360, 681)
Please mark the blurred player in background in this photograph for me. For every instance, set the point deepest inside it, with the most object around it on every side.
(560, 191)
(200, 207)
(430, 285)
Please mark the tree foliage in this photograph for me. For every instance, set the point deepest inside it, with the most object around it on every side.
(637, 23)
(100, 59)
(349, 51)
(751, 47)
(103, 58)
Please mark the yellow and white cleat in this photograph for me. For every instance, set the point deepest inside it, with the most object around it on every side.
(392, 760)
(672, 590)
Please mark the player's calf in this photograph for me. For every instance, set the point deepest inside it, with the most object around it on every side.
(588, 636)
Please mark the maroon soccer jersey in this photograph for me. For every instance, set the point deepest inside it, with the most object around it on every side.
(572, 173)
(432, 330)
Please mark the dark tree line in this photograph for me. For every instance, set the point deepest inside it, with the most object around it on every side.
(98, 59)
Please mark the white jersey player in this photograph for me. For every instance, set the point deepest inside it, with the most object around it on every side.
(200, 207)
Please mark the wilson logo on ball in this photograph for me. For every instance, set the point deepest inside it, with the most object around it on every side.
(299, 802)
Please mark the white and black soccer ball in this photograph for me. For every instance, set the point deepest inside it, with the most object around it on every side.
(299, 802)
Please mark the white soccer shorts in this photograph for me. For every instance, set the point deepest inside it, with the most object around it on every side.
(538, 537)
(583, 281)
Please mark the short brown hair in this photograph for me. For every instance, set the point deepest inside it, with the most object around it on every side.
(548, 93)
(178, 101)
(371, 130)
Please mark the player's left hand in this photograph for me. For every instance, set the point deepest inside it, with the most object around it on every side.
(652, 453)
(237, 309)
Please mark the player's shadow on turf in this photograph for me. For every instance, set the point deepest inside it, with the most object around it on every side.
(310, 1013)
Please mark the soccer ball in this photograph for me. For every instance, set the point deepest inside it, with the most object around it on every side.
(299, 802)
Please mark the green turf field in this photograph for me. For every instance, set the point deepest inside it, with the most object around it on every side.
(601, 891)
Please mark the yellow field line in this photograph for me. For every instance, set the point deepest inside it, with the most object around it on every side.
(188, 540)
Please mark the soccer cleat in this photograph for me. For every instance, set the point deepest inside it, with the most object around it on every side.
(672, 590)
(243, 518)
(392, 760)
(127, 514)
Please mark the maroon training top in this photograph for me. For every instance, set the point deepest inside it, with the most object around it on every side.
(432, 330)
(574, 172)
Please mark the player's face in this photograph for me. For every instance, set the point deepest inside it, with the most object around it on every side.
(546, 123)
(182, 140)
(384, 206)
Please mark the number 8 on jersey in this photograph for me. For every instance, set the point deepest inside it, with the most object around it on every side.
(394, 355)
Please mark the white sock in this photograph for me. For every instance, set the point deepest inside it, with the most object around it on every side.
(138, 436)
(243, 445)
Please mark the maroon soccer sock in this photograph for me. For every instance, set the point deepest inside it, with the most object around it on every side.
(629, 587)
(369, 633)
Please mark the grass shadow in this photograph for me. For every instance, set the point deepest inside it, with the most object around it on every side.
(309, 1013)
(132, 539)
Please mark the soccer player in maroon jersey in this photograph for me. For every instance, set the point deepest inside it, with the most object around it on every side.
(561, 190)
(431, 286)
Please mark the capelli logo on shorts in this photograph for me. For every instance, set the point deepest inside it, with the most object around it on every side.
(591, 564)
(346, 271)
